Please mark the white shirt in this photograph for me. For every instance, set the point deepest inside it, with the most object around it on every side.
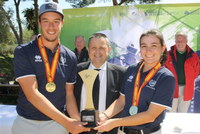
(102, 89)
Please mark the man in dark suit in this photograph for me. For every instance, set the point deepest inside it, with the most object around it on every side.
(110, 75)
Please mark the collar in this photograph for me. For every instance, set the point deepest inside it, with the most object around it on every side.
(103, 67)
(181, 52)
(47, 49)
(83, 49)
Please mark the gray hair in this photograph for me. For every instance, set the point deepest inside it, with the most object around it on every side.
(79, 36)
(99, 35)
(181, 33)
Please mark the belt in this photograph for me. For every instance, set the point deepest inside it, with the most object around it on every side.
(145, 131)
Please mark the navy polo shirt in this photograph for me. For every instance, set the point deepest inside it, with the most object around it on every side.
(28, 62)
(159, 90)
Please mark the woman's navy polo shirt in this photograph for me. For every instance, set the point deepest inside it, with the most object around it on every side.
(28, 62)
(159, 90)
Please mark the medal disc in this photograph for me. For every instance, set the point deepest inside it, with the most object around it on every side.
(133, 110)
(50, 87)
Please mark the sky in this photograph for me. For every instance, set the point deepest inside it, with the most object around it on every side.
(66, 5)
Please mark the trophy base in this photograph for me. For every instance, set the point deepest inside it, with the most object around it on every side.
(90, 116)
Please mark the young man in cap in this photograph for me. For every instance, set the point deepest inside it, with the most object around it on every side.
(46, 72)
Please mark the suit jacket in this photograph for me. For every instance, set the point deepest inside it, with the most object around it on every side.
(115, 75)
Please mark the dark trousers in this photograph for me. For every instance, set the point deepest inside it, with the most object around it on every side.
(145, 131)
(113, 131)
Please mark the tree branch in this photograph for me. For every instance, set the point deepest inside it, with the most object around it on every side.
(11, 25)
(122, 1)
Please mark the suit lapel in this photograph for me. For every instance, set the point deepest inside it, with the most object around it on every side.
(109, 81)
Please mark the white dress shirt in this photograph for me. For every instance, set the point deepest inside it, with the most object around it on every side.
(102, 89)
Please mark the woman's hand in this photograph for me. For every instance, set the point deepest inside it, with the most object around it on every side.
(103, 117)
(106, 125)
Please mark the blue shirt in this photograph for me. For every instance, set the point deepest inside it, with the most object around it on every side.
(28, 62)
(159, 90)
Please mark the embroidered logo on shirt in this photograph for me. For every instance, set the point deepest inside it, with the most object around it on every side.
(130, 78)
(151, 84)
(38, 58)
(63, 61)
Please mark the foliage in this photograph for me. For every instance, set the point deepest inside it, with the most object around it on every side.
(9, 15)
(147, 1)
(4, 32)
(31, 21)
(85, 3)
(8, 46)
(6, 68)
(27, 34)
(81, 3)
(7, 49)
(4, 27)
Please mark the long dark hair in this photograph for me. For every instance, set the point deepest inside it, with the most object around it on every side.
(159, 35)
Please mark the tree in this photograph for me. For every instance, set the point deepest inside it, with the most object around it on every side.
(8, 14)
(4, 27)
(27, 34)
(19, 21)
(31, 21)
(85, 3)
(6, 68)
(80, 3)
(36, 15)
(18, 31)
(6, 37)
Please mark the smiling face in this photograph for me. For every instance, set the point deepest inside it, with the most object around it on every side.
(79, 43)
(98, 51)
(151, 50)
(51, 24)
(181, 42)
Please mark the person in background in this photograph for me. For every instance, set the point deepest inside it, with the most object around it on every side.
(46, 72)
(197, 95)
(183, 62)
(146, 93)
(80, 50)
(110, 76)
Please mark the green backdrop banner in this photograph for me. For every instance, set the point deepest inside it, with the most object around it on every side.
(124, 24)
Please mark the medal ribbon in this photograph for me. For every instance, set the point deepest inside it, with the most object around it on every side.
(49, 72)
(137, 90)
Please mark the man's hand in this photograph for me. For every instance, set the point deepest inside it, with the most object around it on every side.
(76, 127)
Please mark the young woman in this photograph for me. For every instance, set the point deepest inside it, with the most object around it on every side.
(146, 93)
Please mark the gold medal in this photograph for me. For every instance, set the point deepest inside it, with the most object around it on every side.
(50, 72)
(50, 87)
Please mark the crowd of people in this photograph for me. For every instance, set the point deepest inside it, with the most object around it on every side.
(130, 100)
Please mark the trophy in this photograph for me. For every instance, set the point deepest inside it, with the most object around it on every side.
(89, 115)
